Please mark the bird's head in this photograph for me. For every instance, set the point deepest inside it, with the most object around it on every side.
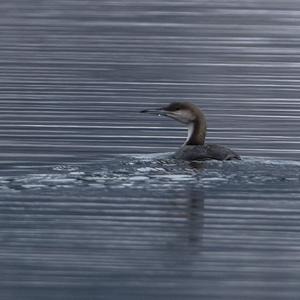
(184, 112)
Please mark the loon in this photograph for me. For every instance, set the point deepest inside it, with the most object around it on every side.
(194, 147)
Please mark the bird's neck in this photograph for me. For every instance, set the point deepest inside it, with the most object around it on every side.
(197, 131)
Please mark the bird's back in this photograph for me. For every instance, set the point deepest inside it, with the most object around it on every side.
(205, 152)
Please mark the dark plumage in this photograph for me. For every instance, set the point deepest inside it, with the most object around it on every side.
(205, 152)
(195, 147)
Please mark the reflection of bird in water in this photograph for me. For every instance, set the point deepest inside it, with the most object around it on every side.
(195, 147)
(195, 214)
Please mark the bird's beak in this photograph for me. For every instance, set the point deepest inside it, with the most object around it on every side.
(155, 111)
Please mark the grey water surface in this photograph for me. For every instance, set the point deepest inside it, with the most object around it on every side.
(91, 207)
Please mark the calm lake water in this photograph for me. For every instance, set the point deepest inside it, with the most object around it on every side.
(90, 207)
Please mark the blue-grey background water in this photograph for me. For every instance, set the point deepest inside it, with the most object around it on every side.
(90, 208)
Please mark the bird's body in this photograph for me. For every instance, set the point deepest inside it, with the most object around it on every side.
(194, 147)
(205, 152)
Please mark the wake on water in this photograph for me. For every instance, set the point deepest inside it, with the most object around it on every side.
(153, 171)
